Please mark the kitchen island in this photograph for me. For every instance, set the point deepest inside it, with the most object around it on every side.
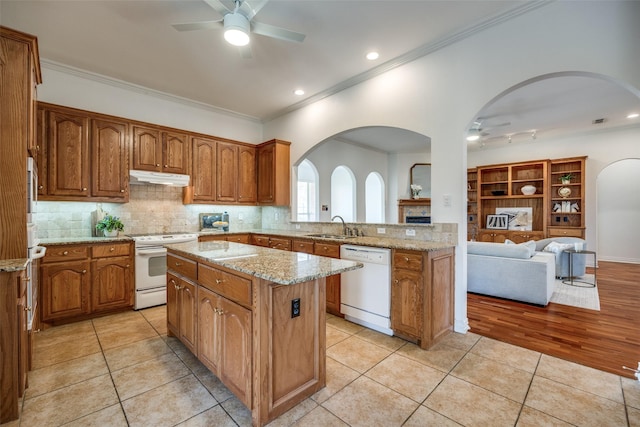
(255, 317)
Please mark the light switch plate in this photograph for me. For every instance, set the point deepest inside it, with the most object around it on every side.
(410, 232)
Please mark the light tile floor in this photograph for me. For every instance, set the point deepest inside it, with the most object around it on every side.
(123, 370)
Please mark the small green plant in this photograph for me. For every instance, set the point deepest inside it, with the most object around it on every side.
(109, 223)
(566, 177)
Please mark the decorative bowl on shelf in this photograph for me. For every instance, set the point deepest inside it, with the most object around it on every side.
(528, 190)
(498, 192)
(564, 192)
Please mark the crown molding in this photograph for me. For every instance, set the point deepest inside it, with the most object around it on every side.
(414, 54)
(121, 84)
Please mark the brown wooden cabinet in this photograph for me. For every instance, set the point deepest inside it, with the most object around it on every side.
(13, 343)
(422, 286)
(472, 204)
(566, 208)
(274, 173)
(224, 342)
(160, 150)
(236, 238)
(80, 281)
(182, 310)
(333, 283)
(247, 175)
(226, 172)
(203, 175)
(82, 156)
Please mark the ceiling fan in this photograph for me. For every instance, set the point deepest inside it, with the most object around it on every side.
(238, 24)
(477, 130)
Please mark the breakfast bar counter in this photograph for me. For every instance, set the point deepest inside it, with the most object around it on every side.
(255, 317)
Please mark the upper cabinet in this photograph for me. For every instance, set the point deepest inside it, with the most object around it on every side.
(247, 175)
(159, 150)
(82, 156)
(226, 171)
(203, 174)
(274, 178)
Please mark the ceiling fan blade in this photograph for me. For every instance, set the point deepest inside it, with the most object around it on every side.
(252, 8)
(192, 26)
(218, 7)
(276, 32)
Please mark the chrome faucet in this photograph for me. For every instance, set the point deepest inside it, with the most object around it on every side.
(344, 226)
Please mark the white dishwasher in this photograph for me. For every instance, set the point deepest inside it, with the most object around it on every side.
(365, 293)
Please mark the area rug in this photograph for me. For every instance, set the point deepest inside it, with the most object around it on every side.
(577, 296)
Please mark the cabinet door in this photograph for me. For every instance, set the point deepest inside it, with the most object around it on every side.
(274, 177)
(42, 160)
(110, 159)
(173, 320)
(247, 180)
(111, 284)
(333, 283)
(406, 302)
(226, 171)
(187, 313)
(208, 327)
(175, 153)
(68, 152)
(65, 290)
(203, 176)
(147, 149)
(235, 349)
(23, 337)
(266, 177)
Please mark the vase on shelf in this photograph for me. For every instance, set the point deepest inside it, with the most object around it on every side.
(112, 233)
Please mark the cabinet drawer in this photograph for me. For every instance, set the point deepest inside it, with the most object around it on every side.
(239, 238)
(260, 240)
(184, 266)
(407, 260)
(226, 284)
(65, 253)
(326, 249)
(282, 244)
(302, 246)
(118, 249)
(211, 238)
(565, 232)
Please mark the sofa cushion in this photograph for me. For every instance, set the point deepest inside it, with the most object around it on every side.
(557, 248)
(531, 244)
(499, 250)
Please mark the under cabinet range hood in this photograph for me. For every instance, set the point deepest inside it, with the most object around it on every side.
(146, 177)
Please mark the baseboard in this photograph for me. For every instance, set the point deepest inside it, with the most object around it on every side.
(616, 259)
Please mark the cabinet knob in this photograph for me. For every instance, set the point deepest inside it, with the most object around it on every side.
(220, 312)
(122, 191)
(111, 249)
(128, 265)
(84, 188)
(218, 281)
(396, 281)
(166, 166)
(158, 164)
(173, 282)
(84, 271)
(65, 253)
(406, 259)
(40, 187)
(178, 264)
(27, 308)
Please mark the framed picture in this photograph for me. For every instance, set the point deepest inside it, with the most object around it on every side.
(519, 218)
(498, 222)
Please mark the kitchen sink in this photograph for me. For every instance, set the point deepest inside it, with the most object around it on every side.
(331, 236)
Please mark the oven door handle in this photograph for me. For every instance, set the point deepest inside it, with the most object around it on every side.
(151, 251)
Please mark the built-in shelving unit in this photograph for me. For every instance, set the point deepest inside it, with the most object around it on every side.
(567, 200)
(472, 204)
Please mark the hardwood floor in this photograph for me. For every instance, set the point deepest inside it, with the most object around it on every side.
(607, 339)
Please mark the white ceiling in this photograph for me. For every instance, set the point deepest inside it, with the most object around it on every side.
(134, 41)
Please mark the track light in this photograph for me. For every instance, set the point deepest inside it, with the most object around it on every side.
(533, 135)
(236, 29)
(473, 135)
(509, 139)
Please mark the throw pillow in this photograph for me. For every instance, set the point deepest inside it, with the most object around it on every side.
(509, 242)
(531, 245)
(557, 248)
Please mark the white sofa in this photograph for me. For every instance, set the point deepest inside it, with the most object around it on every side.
(514, 272)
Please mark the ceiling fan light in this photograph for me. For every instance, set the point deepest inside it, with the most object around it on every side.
(473, 135)
(236, 29)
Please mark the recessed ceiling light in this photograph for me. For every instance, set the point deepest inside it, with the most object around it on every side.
(372, 56)
(633, 116)
(298, 92)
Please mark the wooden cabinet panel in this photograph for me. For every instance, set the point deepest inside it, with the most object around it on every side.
(42, 151)
(208, 327)
(65, 253)
(566, 232)
(407, 260)
(65, 290)
(229, 285)
(173, 307)
(110, 159)
(188, 326)
(259, 240)
(68, 151)
(333, 283)
(111, 250)
(566, 214)
(525, 236)
(305, 246)
(280, 243)
(226, 172)
(111, 285)
(493, 236)
(203, 176)
(406, 302)
(175, 152)
(247, 175)
(184, 266)
(326, 249)
(147, 149)
(239, 238)
(274, 178)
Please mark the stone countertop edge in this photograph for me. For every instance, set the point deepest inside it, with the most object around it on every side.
(274, 265)
(379, 242)
(11, 265)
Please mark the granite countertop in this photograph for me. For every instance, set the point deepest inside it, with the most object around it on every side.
(11, 265)
(83, 240)
(282, 267)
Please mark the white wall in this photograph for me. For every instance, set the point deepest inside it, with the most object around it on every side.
(439, 95)
(90, 92)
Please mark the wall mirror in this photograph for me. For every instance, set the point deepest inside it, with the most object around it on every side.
(420, 174)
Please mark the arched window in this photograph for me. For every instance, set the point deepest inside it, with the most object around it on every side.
(374, 198)
(343, 193)
(307, 206)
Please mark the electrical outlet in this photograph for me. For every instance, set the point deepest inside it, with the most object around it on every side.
(410, 232)
(446, 198)
(295, 307)
(277, 216)
(297, 226)
(240, 216)
(382, 230)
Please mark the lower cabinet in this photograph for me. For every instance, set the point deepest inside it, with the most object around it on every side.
(182, 311)
(78, 281)
(224, 341)
(422, 293)
(332, 282)
(516, 236)
(236, 238)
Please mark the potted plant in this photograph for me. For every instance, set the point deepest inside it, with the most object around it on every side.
(566, 178)
(110, 225)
